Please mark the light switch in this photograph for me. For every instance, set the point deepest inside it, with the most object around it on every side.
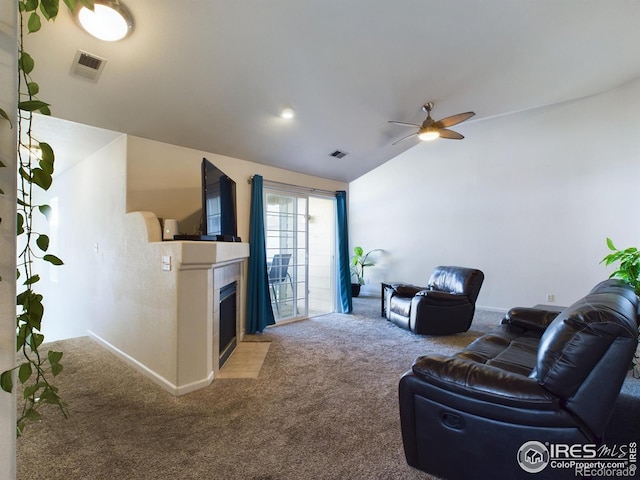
(166, 263)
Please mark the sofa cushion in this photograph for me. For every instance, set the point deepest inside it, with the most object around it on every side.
(511, 348)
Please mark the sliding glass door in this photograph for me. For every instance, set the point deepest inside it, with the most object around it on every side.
(300, 244)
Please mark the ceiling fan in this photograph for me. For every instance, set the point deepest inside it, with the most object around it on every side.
(430, 129)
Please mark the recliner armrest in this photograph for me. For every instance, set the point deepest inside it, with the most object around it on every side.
(406, 290)
(484, 382)
(530, 318)
(436, 297)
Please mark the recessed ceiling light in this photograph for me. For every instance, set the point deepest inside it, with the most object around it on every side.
(110, 20)
(287, 113)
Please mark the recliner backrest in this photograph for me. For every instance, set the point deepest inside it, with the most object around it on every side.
(457, 280)
(584, 353)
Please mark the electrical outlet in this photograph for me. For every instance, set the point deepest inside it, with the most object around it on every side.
(166, 263)
(551, 297)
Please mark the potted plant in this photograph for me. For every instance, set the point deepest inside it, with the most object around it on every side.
(629, 271)
(629, 268)
(359, 260)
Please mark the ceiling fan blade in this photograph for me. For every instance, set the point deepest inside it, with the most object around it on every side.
(453, 120)
(404, 124)
(444, 133)
(404, 138)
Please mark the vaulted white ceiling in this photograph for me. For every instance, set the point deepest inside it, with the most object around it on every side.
(213, 75)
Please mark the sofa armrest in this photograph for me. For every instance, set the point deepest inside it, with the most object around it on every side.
(530, 318)
(484, 382)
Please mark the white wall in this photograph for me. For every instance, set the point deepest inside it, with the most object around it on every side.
(165, 179)
(8, 75)
(93, 197)
(528, 198)
(88, 202)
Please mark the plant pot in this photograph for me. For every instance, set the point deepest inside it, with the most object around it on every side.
(355, 289)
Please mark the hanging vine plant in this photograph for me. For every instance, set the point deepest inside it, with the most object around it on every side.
(35, 170)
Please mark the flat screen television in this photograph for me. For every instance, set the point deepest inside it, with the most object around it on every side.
(219, 213)
(218, 220)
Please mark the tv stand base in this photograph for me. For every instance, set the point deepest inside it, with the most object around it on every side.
(208, 238)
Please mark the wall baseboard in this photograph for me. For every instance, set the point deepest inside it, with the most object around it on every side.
(159, 379)
(492, 309)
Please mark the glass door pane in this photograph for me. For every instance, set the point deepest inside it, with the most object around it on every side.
(286, 242)
(321, 265)
(300, 241)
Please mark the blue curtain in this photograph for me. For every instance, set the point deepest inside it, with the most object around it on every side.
(259, 311)
(344, 267)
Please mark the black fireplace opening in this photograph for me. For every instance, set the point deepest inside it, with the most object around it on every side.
(227, 321)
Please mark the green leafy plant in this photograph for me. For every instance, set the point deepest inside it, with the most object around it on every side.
(35, 170)
(629, 264)
(629, 271)
(359, 261)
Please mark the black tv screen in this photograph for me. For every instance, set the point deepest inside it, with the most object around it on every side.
(218, 203)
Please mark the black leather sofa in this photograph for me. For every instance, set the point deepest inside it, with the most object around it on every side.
(444, 307)
(539, 376)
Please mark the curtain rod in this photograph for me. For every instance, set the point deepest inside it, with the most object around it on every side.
(294, 187)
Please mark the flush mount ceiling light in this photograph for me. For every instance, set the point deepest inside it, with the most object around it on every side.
(110, 20)
(287, 113)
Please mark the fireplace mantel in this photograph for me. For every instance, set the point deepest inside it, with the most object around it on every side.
(173, 294)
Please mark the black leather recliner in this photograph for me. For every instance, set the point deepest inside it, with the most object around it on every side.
(540, 376)
(445, 306)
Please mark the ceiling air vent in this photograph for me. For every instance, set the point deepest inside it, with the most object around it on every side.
(87, 65)
(338, 154)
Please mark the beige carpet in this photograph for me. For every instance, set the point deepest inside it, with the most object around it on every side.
(246, 360)
(324, 406)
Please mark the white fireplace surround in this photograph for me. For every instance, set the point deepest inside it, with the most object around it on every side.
(166, 323)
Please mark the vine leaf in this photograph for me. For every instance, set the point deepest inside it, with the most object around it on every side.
(33, 279)
(46, 163)
(49, 8)
(45, 210)
(19, 224)
(43, 242)
(24, 372)
(42, 178)
(33, 24)
(36, 340)
(6, 382)
(72, 4)
(52, 259)
(26, 63)
(33, 105)
(4, 115)
(30, 5)
(54, 360)
(33, 88)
